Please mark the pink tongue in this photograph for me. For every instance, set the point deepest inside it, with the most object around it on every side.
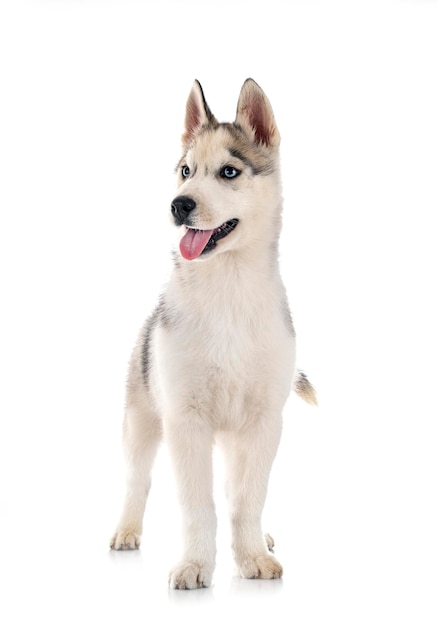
(193, 243)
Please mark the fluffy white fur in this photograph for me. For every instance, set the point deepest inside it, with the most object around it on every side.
(215, 363)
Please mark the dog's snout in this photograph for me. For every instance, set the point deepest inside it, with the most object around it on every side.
(181, 207)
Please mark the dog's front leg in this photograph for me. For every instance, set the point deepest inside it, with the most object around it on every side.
(249, 455)
(190, 443)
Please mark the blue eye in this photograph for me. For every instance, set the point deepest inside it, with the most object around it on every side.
(229, 172)
(185, 171)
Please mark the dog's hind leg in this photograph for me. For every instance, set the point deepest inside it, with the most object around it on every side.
(142, 434)
(249, 456)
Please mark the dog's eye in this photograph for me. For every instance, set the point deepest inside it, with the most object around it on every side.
(185, 171)
(229, 172)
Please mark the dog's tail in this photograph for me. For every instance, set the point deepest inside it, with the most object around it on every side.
(304, 388)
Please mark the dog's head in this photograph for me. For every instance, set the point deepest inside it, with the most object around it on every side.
(229, 195)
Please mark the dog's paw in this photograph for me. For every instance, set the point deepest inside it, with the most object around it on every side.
(270, 542)
(261, 566)
(125, 539)
(190, 575)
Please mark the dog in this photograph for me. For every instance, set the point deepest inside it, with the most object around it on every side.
(215, 362)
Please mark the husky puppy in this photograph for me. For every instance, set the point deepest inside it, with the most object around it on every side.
(215, 362)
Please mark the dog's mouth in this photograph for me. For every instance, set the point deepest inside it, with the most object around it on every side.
(196, 242)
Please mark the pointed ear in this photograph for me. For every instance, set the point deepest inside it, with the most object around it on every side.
(255, 115)
(197, 114)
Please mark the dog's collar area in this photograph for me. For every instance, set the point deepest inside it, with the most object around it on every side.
(219, 233)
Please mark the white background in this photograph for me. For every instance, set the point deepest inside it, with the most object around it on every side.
(91, 112)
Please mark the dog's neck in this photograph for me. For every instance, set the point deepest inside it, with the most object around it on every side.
(246, 277)
(257, 261)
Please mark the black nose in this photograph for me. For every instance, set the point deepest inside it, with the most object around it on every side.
(181, 207)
